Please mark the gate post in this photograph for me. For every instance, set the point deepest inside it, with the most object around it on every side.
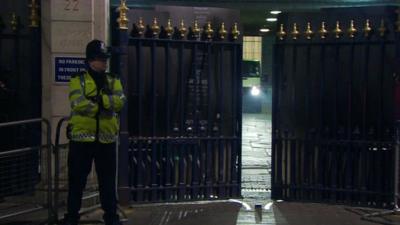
(35, 60)
(397, 115)
(122, 70)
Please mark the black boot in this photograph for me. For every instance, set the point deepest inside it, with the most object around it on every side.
(111, 220)
(69, 220)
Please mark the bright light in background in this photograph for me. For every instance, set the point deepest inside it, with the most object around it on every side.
(271, 19)
(264, 30)
(275, 12)
(255, 91)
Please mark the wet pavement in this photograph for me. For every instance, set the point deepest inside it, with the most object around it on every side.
(256, 169)
(257, 206)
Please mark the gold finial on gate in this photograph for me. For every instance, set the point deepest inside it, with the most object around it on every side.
(323, 32)
(196, 29)
(122, 19)
(235, 32)
(169, 29)
(338, 32)
(182, 29)
(309, 33)
(382, 28)
(222, 32)
(155, 28)
(209, 30)
(141, 27)
(352, 30)
(367, 29)
(34, 17)
(281, 33)
(14, 22)
(295, 33)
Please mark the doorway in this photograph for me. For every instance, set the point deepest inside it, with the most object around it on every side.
(256, 133)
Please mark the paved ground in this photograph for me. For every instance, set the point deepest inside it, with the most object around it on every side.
(256, 206)
(226, 213)
(256, 167)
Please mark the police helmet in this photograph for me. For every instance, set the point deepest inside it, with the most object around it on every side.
(96, 49)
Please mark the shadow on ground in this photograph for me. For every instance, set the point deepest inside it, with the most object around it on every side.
(323, 214)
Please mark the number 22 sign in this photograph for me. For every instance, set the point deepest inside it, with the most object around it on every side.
(72, 5)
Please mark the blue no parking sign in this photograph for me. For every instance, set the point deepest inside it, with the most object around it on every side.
(65, 67)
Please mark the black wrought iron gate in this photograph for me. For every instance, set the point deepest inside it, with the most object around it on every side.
(333, 106)
(184, 116)
(20, 95)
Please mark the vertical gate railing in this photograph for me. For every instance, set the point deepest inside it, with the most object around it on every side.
(25, 164)
(184, 113)
(396, 174)
(333, 104)
(20, 77)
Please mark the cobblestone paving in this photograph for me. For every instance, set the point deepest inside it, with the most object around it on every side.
(256, 170)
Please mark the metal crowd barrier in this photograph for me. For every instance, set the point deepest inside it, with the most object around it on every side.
(57, 165)
(14, 210)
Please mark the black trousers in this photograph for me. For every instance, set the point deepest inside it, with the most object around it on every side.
(80, 158)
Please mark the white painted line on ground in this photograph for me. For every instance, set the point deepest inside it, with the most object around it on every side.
(268, 206)
(244, 204)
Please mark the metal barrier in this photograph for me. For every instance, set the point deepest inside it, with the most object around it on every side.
(21, 152)
(57, 165)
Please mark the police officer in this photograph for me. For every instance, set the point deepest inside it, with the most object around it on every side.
(96, 97)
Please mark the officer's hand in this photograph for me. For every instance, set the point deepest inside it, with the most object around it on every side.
(94, 99)
(106, 91)
(100, 102)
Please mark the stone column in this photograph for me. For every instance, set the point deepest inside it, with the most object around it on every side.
(67, 26)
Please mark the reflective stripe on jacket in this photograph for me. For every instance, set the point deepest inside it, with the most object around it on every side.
(85, 109)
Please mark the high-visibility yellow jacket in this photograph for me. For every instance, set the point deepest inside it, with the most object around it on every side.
(89, 120)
